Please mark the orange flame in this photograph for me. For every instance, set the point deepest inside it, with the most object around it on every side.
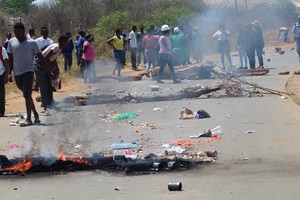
(61, 156)
(22, 167)
(77, 159)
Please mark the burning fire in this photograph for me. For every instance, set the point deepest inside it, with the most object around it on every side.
(22, 167)
(77, 159)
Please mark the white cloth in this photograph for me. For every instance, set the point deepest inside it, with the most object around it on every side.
(5, 56)
(41, 42)
(133, 40)
(220, 35)
(56, 51)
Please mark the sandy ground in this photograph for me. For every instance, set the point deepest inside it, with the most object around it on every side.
(262, 165)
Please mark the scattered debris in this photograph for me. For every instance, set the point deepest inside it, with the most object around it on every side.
(185, 142)
(154, 87)
(175, 186)
(123, 116)
(284, 73)
(118, 189)
(157, 109)
(297, 72)
(281, 52)
(213, 153)
(250, 131)
(268, 59)
(80, 100)
(277, 49)
(283, 97)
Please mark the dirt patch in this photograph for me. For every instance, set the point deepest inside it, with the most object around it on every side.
(293, 87)
(15, 102)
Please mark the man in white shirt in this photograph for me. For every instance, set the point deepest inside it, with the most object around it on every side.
(4, 77)
(43, 41)
(133, 47)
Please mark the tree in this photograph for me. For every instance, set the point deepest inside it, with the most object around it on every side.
(17, 7)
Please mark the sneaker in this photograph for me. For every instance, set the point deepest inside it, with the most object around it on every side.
(159, 81)
(177, 81)
(260, 67)
(1, 114)
(27, 122)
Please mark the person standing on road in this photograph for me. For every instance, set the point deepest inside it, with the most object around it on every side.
(165, 54)
(223, 44)
(133, 47)
(240, 45)
(197, 45)
(117, 43)
(150, 43)
(67, 52)
(178, 46)
(141, 50)
(8, 37)
(5, 76)
(21, 51)
(42, 42)
(296, 31)
(80, 42)
(88, 57)
(259, 44)
(247, 38)
(45, 75)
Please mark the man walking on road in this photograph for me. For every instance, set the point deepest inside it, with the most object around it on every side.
(21, 51)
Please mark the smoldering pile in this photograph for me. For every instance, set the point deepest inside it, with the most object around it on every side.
(149, 164)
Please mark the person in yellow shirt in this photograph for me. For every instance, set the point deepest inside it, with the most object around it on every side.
(117, 42)
(285, 32)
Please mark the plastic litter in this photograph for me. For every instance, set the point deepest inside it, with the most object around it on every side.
(122, 145)
(157, 109)
(167, 145)
(123, 116)
(250, 131)
(14, 146)
(154, 87)
(217, 130)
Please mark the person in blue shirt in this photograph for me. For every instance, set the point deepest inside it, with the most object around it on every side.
(68, 53)
(79, 46)
(8, 37)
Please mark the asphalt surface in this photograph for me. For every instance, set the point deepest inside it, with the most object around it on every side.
(260, 165)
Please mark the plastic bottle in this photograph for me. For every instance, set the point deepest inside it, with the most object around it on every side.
(122, 145)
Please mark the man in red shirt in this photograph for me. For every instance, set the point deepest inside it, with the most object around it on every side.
(150, 43)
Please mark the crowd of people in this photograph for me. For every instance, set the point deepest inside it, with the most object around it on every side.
(26, 57)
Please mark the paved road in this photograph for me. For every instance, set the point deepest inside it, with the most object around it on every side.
(271, 171)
